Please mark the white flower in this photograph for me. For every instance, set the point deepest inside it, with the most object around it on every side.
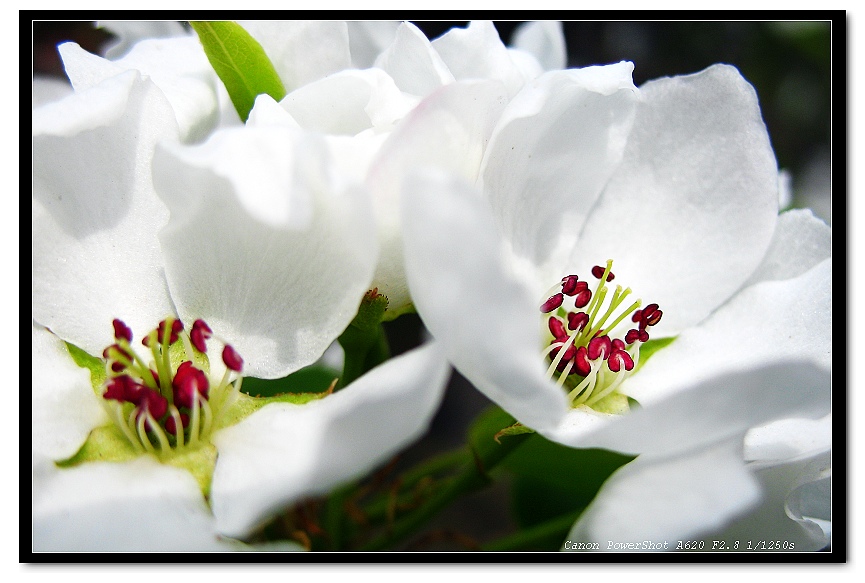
(258, 232)
(677, 185)
(422, 102)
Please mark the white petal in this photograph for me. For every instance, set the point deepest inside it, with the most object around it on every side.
(716, 409)
(368, 39)
(178, 66)
(47, 89)
(95, 215)
(448, 130)
(780, 522)
(136, 506)
(787, 439)
(800, 242)
(486, 319)
(267, 243)
(284, 452)
(767, 322)
(412, 62)
(477, 52)
(348, 102)
(544, 40)
(65, 408)
(302, 51)
(127, 33)
(665, 500)
(690, 212)
(555, 146)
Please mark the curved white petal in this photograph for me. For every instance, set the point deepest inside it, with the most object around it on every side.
(783, 521)
(65, 408)
(267, 242)
(368, 38)
(178, 66)
(348, 102)
(764, 323)
(412, 62)
(555, 146)
(302, 51)
(136, 506)
(788, 439)
(712, 410)
(477, 52)
(691, 211)
(448, 131)
(544, 40)
(284, 452)
(95, 215)
(668, 499)
(485, 317)
(800, 242)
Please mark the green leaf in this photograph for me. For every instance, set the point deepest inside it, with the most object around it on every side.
(311, 379)
(515, 429)
(240, 62)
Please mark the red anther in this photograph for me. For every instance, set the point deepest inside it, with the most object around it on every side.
(114, 353)
(583, 298)
(199, 334)
(569, 285)
(152, 401)
(632, 336)
(171, 425)
(123, 389)
(577, 320)
(557, 328)
(618, 344)
(598, 272)
(637, 316)
(581, 361)
(121, 331)
(569, 354)
(551, 304)
(188, 381)
(599, 347)
(654, 318)
(644, 336)
(231, 359)
(619, 359)
(176, 327)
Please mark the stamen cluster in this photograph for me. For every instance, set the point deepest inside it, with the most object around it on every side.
(585, 357)
(161, 405)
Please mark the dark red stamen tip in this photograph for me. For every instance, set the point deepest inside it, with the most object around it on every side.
(577, 320)
(188, 381)
(620, 359)
(599, 347)
(231, 358)
(632, 336)
(638, 314)
(583, 298)
(581, 361)
(150, 400)
(121, 331)
(199, 334)
(569, 285)
(557, 328)
(654, 318)
(598, 272)
(552, 303)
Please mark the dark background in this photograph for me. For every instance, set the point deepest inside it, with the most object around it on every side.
(789, 63)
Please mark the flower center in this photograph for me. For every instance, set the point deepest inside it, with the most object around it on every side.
(164, 401)
(588, 362)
